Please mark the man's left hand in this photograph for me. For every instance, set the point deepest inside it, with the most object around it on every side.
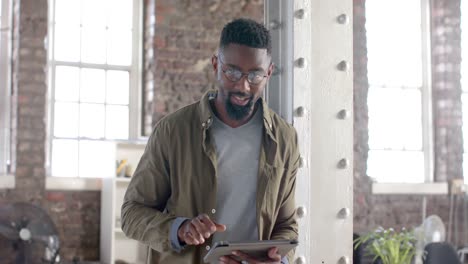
(275, 258)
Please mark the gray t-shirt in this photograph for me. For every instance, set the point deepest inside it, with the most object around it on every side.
(238, 152)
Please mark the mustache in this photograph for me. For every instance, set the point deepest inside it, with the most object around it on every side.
(240, 94)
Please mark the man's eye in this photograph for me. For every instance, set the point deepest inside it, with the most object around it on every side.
(232, 72)
(255, 75)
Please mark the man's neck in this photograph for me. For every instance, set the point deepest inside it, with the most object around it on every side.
(220, 111)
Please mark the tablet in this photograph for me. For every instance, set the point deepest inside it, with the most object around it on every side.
(257, 249)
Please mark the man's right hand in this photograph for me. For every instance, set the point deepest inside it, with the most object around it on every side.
(196, 230)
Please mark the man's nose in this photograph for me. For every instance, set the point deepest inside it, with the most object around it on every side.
(243, 85)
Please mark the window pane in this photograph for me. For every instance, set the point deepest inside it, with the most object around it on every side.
(392, 41)
(119, 47)
(94, 13)
(97, 159)
(118, 87)
(464, 83)
(396, 166)
(465, 121)
(465, 167)
(92, 86)
(67, 83)
(121, 15)
(93, 45)
(64, 158)
(116, 122)
(464, 45)
(92, 120)
(65, 119)
(67, 43)
(67, 12)
(395, 120)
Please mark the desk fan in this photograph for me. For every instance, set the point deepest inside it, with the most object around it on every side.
(29, 229)
(431, 230)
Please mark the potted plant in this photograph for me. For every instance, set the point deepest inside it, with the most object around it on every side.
(388, 245)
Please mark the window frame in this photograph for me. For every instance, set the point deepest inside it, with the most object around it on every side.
(464, 79)
(5, 87)
(426, 107)
(135, 97)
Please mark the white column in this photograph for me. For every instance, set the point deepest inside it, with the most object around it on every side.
(323, 103)
(314, 90)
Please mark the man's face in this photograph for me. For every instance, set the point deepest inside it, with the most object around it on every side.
(242, 73)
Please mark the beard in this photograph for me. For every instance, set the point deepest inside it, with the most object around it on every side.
(238, 112)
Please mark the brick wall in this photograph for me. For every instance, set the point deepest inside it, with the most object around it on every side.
(446, 60)
(187, 34)
(399, 211)
(76, 214)
(149, 64)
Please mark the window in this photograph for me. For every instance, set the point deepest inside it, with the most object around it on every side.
(464, 84)
(94, 80)
(5, 87)
(399, 92)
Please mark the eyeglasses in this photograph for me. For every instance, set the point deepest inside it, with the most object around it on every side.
(234, 75)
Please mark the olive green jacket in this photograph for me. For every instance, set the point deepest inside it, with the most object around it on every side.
(176, 177)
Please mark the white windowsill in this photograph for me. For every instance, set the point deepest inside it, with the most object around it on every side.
(73, 184)
(435, 188)
(7, 181)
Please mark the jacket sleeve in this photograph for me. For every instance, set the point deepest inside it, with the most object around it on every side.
(286, 226)
(143, 217)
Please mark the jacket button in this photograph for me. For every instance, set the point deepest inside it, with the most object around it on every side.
(213, 211)
(207, 248)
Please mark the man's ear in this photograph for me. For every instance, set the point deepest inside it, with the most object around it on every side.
(271, 68)
(214, 63)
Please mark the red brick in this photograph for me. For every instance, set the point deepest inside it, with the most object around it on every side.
(55, 196)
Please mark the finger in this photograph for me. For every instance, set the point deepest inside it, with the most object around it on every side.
(191, 234)
(244, 257)
(203, 226)
(196, 235)
(220, 227)
(208, 223)
(252, 260)
(273, 254)
(189, 239)
(201, 229)
(228, 260)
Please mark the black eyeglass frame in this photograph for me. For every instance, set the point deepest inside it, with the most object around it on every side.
(250, 75)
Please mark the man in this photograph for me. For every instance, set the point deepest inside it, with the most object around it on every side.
(223, 168)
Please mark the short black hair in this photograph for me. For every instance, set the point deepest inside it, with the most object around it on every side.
(246, 32)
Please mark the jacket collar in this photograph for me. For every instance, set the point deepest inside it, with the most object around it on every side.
(206, 118)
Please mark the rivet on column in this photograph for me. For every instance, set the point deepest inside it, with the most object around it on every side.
(300, 260)
(301, 162)
(301, 211)
(344, 260)
(343, 66)
(343, 19)
(300, 13)
(343, 114)
(300, 63)
(343, 163)
(344, 213)
(300, 111)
